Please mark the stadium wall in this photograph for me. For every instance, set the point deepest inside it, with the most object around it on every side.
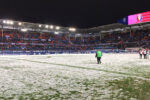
(64, 52)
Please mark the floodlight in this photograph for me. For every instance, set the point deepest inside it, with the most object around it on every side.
(57, 28)
(51, 27)
(40, 25)
(7, 22)
(19, 23)
(46, 26)
(11, 22)
(72, 29)
(56, 32)
(24, 30)
(4, 21)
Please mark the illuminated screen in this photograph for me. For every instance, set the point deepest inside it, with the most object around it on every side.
(139, 18)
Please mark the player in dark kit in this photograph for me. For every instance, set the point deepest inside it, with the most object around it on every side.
(98, 56)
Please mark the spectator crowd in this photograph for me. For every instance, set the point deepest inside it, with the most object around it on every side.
(10, 40)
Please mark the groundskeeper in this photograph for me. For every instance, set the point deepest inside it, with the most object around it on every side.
(98, 56)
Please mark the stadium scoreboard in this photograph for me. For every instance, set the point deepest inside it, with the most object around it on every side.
(136, 18)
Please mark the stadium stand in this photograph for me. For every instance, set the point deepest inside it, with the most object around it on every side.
(114, 36)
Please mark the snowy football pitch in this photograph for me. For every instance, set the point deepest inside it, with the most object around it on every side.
(74, 77)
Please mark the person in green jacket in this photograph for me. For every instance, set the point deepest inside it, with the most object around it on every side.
(98, 56)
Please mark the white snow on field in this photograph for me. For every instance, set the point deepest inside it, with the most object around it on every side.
(66, 76)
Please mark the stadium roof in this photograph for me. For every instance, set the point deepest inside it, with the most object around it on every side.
(37, 27)
(103, 28)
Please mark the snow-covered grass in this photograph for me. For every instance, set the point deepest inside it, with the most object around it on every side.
(74, 77)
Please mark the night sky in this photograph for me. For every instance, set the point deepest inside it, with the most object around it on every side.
(76, 13)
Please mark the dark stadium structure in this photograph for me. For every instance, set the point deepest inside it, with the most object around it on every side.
(18, 37)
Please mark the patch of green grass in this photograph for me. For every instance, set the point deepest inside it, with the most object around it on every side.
(142, 71)
(49, 57)
(128, 88)
(75, 92)
(6, 68)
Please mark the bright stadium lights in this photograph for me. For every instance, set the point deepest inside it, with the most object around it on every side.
(19, 23)
(40, 25)
(56, 33)
(9, 22)
(24, 30)
(46, 26)
(72, 29)
(57, 28)
(51, 27)
(4, 21)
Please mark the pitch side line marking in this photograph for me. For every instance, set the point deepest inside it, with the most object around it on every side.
(107, 71)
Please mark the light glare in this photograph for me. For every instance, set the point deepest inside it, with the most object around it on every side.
(24, 30)
(40, 25)
(46, 26)
(4, 21)
(72, 29)
(57, 28)
(51, 26)
(19, 23)
(56, 32)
